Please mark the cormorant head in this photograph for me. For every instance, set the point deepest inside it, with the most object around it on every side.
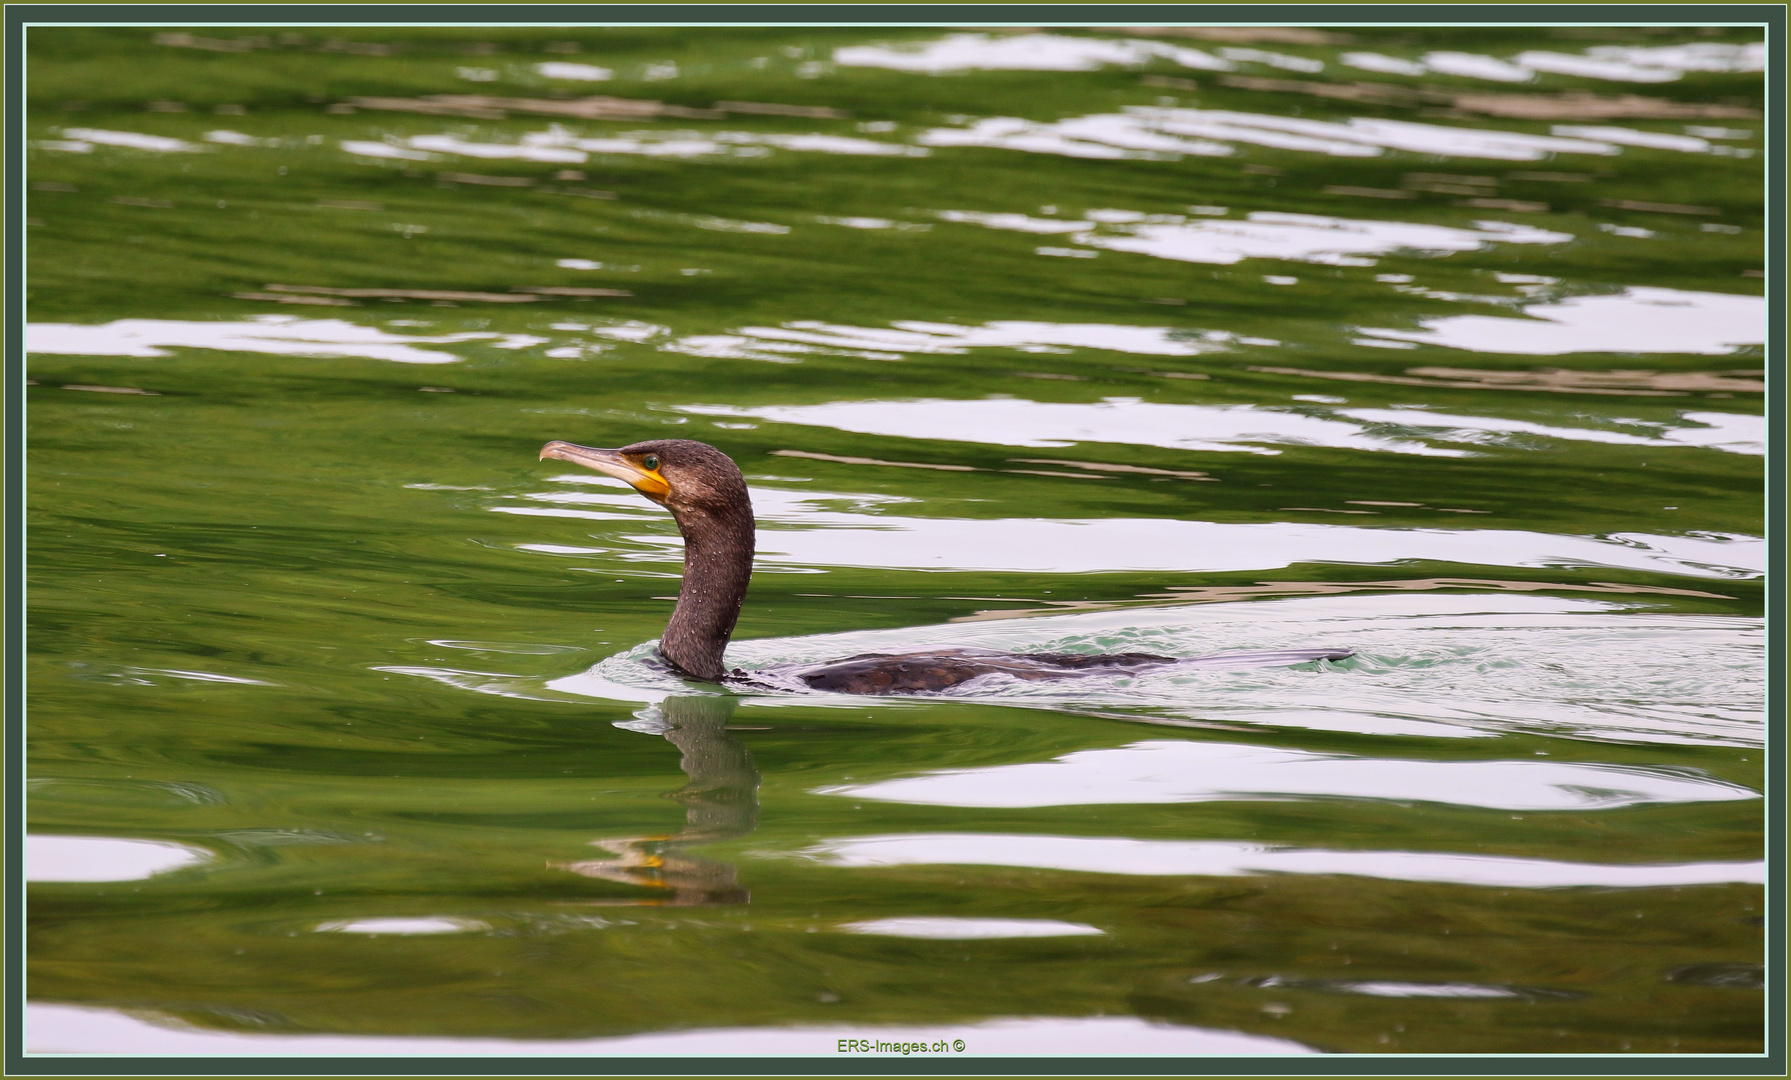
(682, 475)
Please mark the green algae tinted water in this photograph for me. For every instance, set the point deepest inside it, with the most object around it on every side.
(341, 734)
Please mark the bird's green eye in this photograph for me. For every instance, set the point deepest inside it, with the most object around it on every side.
(651, 461)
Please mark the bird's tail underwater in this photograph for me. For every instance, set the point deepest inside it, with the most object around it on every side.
(1267, 658)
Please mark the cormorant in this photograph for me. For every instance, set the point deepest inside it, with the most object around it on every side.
(707, 496)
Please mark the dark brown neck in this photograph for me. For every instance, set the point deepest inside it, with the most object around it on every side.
(718, 549)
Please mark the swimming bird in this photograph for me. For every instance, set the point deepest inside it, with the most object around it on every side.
(707, 496)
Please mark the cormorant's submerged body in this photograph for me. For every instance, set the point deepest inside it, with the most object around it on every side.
(909, 673)
(707, 496)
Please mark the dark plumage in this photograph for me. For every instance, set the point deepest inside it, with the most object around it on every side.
(707, 496)
(904, 673)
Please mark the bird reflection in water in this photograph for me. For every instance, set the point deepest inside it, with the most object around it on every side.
(721, 802)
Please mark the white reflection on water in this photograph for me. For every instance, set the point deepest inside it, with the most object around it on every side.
(1273, 59)
(454, 144)
(957, 929)
(1021, 52)
(368, 148)
(1361, 136)
(74, 1029)
(1220, 858)
(1020, 222)
(1051, 52)
(282, 334)
(1386, 65)
(237, 138)
(1655, 140)
(1736, 433)
(561, 69)
(1427, 665)
(558, 144)
(104, 858)
(415, 925)
(1420, 990)
(1640, 319)
(1272, 234)
(1594, 67)
(501, 684)
(1268, 234)
(1698, 56)
(1389, 988)
(815, 142)
(1018, 422)
(1182, 771)
(821, 535)
(1613, 63)
(1476, 66)
(1109, 136)
(1007, 421)
(141, 673)
(134, 140)
(1662, 63)
(1161, 133)
(909, 337)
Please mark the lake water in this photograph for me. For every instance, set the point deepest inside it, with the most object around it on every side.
(1445, 346)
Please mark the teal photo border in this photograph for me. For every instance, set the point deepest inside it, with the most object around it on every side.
(19, 18)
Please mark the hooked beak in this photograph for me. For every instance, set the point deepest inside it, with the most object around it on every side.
(610, 463)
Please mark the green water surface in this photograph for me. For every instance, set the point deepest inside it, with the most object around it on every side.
(302, 599)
